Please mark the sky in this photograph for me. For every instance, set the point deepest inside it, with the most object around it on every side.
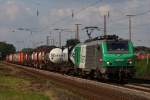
(22, 26)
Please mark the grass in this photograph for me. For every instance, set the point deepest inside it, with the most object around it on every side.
(20, 95)
(142, 68)
(15, 88)
(16, 84)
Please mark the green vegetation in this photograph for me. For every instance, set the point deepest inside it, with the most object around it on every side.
(15, 84)
(27, 50)
(72, 42)
(16, 95)
(6, 49)
(142, 68)
(15, 88)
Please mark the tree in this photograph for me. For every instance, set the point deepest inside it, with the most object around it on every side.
(6, 49)
(27, 50)
(72, 42)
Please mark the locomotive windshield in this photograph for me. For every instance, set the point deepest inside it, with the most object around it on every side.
(117, 46)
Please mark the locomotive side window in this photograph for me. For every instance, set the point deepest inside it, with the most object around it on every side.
(117, 46)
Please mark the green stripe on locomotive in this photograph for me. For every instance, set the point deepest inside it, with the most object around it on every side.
(77, 55)
(80, 56)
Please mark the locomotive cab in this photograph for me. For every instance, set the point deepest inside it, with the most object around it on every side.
(118, 54)
(118, 58)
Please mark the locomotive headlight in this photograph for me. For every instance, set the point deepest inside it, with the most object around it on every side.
(108, 63)
(130, 61)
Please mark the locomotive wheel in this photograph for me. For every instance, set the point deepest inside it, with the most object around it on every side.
(122, 78)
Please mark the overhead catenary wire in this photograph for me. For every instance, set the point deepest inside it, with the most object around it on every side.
(78, 12)
(82, 9)
(75, 13)
(68, 18)
(125, 18)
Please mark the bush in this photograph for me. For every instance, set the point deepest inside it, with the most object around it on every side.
(142, 68)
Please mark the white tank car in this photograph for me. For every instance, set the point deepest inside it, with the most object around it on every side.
(65, 55)
(55, 55)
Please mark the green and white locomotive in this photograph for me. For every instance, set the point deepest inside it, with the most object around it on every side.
(105, 57)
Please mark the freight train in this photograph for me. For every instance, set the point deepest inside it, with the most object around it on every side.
(104, 57)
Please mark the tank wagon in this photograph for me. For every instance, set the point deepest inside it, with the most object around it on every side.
(46, 56)
(27, 56)
(10, 58)
(39, 56)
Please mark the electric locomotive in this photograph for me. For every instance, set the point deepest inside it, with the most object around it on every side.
(105, 57)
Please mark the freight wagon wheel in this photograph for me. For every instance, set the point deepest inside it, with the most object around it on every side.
(40, 66)
(78, 72)
(93, 74)
(71, 72)
(96, 74)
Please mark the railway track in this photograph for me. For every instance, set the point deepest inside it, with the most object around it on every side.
(92, 90)
(138, 87)
(136, 84)
(139, 84)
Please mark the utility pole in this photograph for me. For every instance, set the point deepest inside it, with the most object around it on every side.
(59, 38)
(60, 31)
(77, 31)
(130, 26)
(105, 22)
(105, 26)
(47, 40)
(50, 39)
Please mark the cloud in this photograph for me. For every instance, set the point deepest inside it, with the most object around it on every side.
(54, 16)
(104, 9)
(11, 10)
(19, 13)
(60, 12)
(5, 34)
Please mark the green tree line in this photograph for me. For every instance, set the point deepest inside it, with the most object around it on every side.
(5, 49)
